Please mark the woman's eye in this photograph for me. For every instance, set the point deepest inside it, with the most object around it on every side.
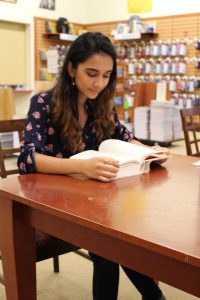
(92, 74)
(107, 76)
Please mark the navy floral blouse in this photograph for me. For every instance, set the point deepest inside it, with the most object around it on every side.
(40, 135)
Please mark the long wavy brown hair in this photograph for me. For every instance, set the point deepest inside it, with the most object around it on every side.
(64, 109)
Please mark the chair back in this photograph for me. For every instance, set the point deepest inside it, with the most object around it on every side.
(7, 104)
(9, 126)
(191, 128)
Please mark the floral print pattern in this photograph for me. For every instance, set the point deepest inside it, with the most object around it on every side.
(40, 135)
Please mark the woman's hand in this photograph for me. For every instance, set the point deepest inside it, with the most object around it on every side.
(165, 151)
(101, 168)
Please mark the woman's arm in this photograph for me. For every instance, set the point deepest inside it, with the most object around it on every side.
(34, 134)
(99, 168)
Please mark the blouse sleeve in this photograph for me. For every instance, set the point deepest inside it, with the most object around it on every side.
(34, 135)
(121, 132)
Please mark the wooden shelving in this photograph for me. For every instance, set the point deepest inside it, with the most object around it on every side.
(50, 35)
(67, 37)
(44, 40)
(135, 36)
(61, 36)
(128, 36)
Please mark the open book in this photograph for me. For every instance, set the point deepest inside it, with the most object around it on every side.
(133, 159)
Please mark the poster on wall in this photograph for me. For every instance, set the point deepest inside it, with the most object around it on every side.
(139, 6)
(11, 1)
(47, 4)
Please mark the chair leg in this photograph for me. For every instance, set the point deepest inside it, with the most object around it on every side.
(56, 264)
(1, 279)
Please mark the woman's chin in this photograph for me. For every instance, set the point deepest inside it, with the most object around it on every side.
(93, 96)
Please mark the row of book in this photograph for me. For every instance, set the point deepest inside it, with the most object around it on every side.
(158, 122)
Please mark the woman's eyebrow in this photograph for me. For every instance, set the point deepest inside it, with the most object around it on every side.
(92, 69)
(95, 70)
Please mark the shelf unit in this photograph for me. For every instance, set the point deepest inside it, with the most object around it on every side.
(44, 40)
(61, 36)
(122, 89)
(135, 36)
(128, 36)
(168, 27)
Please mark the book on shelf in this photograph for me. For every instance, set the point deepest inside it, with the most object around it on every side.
(133, 159)
(161, 120)
(141, 122)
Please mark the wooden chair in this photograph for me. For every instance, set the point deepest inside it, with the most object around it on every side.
(46, 246)
(7, 104)
(9, 126)
(191, 128)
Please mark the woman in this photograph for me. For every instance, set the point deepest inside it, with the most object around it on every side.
(75, 115)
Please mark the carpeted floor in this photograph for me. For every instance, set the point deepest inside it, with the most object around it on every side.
(73, 282)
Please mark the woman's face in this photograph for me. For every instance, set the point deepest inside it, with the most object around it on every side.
(92, 76)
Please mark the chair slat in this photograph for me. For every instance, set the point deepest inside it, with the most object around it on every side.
(191, 128)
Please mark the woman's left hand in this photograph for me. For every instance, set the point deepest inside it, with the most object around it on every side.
(164, 150)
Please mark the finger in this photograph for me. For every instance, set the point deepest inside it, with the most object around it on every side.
(104, 166)
(105, 179)
(163, 149)
(108, 171)
(114, 163)
(108, 174)
(158, 148)
(110, 161)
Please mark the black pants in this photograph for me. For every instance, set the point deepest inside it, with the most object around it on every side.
(106, 281)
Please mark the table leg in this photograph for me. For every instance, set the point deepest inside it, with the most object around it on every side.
(17, 242)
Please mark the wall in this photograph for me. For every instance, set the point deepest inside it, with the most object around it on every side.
(24, 10)
(13, 49)
(112, 10)
(78, 11)
(85, 11)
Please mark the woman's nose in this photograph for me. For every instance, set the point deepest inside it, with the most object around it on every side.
(99, 82)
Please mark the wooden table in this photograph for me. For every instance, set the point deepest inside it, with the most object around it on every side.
(149, 222)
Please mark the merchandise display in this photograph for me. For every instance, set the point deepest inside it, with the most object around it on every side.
(159, 55)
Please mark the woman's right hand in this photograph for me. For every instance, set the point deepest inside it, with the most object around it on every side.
(101, 168)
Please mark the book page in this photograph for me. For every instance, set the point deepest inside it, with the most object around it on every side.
(92, 153)
(127, 152)
(131, 169)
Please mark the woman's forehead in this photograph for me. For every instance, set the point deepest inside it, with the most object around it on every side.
(98, 61)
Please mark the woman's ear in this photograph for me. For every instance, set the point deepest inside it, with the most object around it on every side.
(71, 70)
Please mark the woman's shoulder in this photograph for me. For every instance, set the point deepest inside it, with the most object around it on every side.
(42, 97)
